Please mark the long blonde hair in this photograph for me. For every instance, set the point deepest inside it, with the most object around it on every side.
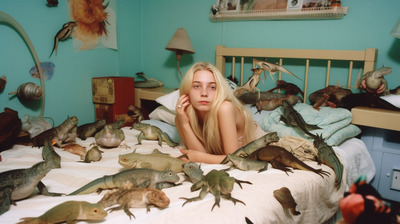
(208, 131)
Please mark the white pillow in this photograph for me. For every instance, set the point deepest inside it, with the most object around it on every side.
(393, 99)
(169, 101)
(161, 113)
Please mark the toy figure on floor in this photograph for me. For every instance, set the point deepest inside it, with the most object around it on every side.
(363, 204)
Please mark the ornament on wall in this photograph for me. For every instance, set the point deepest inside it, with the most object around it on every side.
(95, 24)
(63, 34)
(47, 69)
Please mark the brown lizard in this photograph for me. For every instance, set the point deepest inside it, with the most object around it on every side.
(58, 134)
(134, 198)
(286, 199)
(280, 158)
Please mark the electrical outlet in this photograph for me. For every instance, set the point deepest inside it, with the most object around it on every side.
(395, 180)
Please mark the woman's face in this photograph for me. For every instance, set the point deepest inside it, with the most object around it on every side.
(203, 90)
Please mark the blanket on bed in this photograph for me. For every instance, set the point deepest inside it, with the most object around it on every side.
(334, 123)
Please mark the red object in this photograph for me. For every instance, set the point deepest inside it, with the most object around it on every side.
(112, 97)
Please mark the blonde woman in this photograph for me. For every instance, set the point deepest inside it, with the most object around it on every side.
(211, 121)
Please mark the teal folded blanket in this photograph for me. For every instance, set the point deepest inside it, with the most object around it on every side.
(334, 123)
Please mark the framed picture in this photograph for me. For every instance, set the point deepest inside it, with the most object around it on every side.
(315, 3)
(264, 4)
(228, 5)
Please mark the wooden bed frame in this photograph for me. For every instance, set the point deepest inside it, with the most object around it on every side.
(385, 119)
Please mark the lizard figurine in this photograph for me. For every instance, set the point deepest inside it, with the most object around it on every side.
(109, 136)
(280, 159)
(218, 183)
(58, 134)
(246, 164)
(374, 81)
(285, 198)
(251, 84)
(90, 129)
(140, 177)
(69, 212)
(254, 145)
(272, 68)
(134, 198)
(155, 160)
(151, 132)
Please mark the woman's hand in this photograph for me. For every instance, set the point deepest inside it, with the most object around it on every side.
(181, 105)
(191, 155)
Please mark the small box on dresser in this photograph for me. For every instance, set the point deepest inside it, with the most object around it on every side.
(112, 97)
(384, 147)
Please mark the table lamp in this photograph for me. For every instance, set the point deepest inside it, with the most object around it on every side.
(396, 30)
(180, 44)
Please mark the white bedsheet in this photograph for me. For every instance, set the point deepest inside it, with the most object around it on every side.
(316, 198)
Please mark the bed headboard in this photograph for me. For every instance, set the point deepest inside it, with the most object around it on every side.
(365, 59)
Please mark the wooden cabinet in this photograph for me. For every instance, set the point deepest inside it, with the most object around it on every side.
(384, 147)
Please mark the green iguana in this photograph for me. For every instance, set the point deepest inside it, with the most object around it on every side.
(49, 154)
(246, 164)
(254, 145)
(134, 198)
(90, 129)
(280, 158)
(57, 134)
(151, 132)
(109, 136)
(293, 118)
(137, 177)
(69, 212)
(193, 171)
(218, 183)
(327, 156)
(23, 182)
(155, 160)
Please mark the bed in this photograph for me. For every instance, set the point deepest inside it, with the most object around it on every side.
(316, 197)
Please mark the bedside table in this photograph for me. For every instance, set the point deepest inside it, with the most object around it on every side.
(150, 94)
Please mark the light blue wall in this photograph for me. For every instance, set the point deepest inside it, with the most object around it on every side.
(144, 29)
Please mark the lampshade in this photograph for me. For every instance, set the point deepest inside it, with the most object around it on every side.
(396, 30)
(180, 42)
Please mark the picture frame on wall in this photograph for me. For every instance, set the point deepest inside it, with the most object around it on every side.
(262, 5)
(228, 5)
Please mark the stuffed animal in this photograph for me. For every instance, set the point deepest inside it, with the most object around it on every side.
(363, 204)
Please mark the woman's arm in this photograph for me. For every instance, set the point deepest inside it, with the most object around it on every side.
(185, 131)
(231, 123)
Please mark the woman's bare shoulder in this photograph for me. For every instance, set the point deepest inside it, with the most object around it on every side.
(226, 106)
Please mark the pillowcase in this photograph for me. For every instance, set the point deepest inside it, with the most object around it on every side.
(169, 101)
(161, 113)
(334, 123)
(167, 128)
(393, 99)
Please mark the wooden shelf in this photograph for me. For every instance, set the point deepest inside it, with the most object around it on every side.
(150, 94)
(377, 118)
(282, 14)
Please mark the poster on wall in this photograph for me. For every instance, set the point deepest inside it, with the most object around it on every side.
(96, 24)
